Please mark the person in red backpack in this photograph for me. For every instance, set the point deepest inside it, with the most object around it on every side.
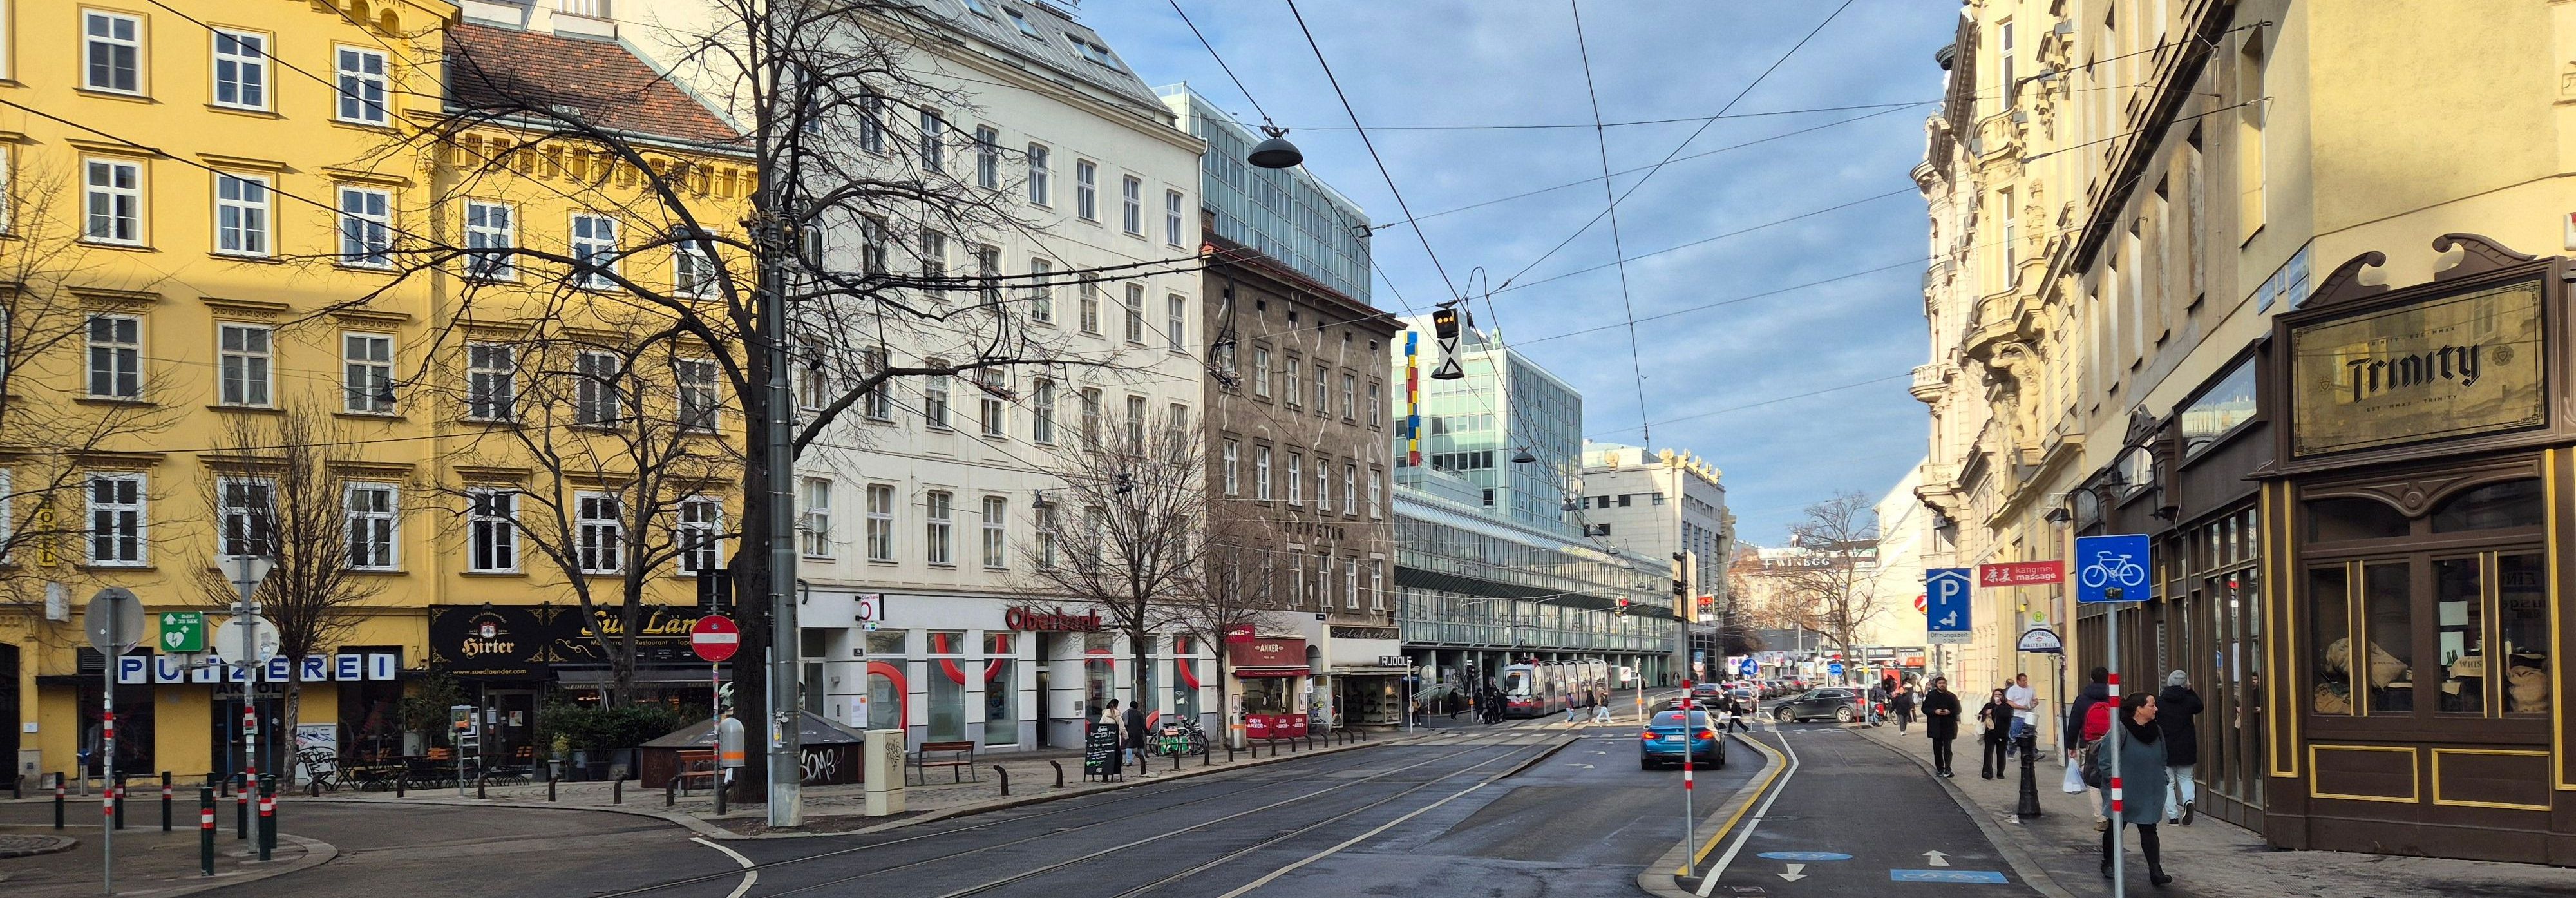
(2084, 725)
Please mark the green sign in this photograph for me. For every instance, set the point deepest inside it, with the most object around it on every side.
(183, 632)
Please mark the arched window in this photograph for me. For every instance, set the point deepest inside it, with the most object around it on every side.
(2495, 506)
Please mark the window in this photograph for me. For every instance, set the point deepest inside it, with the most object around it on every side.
(1041, 292)
(880, 522)
(2004, 83)
(872, 123)
(600, 532)
(1350, 584)
(241, 69)
(1135, 425)
(988, 158)
(935, 531)
(1350, 396)
(1377, 586)
(598, 399)
(1131, 205)
(701, 547)
(2250, 205)
(491, 381)
(1261, 473)
(1046, 535)
(362, 86)
(1233, 462)
(1038, 192)
(1090, 300)
(366, 227)
(244, 356)
(1288, 381)
(116, 525)
(934, 396)
(993, 416)
(374, 527)
(996, 537)
(491, 233)
(1022, 21)
(988, 276)
(492, 531)
(1086, 190)
(247, 511)
(1487, 497)
(814, 517)
(2011, 227)
(1261, 371)
(1377, 402)
(113, 203)
(1136, 314)
(934, 254)
(241, 215)
(1296, 479)
(115, 357)
(2218, 412)
(367, 373)
(1172, 217)
(112, 52)
(1091, 416)
(1323, 398)
(693, 268)
(1350, 489)
(594, 251)
(698, 402)
(1176, 322)
(934, 133)
(813, 381)
(1042, 412)
(1176, 429)
(1323, 485)
(1377, 493)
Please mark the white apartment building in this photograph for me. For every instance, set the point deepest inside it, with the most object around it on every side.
(1654, 504)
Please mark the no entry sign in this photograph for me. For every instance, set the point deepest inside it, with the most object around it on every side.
(714, 638)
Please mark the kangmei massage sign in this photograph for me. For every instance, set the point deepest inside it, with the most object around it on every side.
(2449, 367)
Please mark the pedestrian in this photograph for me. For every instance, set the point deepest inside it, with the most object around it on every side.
(1941, 722)
(2025, 722)
(1601, 710)
(2175, 709)
(1117, 734)
(1136, 739)
(1741, 711)
(2083, 726)
(1877, 701)
(1903, 705)
(2141, 745)
(1993, 746)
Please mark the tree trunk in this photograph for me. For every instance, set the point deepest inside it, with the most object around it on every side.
(751, 592)
(292, 711)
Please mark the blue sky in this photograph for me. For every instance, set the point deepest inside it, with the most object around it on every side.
(1485, 63)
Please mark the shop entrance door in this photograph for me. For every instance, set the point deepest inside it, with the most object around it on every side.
(9, 709)
(225, 731)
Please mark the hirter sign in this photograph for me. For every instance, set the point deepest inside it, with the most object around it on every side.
(2021, 573)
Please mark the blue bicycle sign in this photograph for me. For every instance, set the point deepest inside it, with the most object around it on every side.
(2106, 563)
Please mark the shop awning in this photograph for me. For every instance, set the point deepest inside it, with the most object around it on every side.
(1251, 672)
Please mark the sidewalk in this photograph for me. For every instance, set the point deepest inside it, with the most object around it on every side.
(2209, 858)
(148, 861)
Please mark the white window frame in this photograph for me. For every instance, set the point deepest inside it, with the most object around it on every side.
(1296, 480)
(1176, 322)
(116, 358)
(992, 415)
(129, 521)
(492, 530)
(1260, 370)
(1261, 473)
(1089, 298)
(699, 530)
(879, 403)
(880, 512)
(491, 226)
(1173, 222)
(491, 382)
(1350, 584)
(117, 202)
(1233, 468)
(1041, 291)
(245, 72)
(599, 390)
(1350, 489)
(1135, 314)
(1377, 494)
(988, 157)
(939, 508)
(934, 148)
(243, 220)
(599, 541)
(997, 540)
(245, 369)
(699, 398)
(1377, 586)
(1131, 205)
(374, 533)
(366, 216)
(1042, 401)
(365, 372)
(362, 95)
(1043, 520)
(1135, 424)
(935, 397)
(93, 44)
(237, 511)
(1086, 190)
(1041, 192)
(814, 517)
(596, 258)
(693, 269)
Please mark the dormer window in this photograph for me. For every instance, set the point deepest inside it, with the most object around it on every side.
(1022, 20)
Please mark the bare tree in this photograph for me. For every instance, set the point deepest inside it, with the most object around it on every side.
(1230, 590)
(281, 491)
(1830, 582)
(1136, 511)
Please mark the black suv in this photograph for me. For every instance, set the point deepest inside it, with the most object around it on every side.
(1841, 705)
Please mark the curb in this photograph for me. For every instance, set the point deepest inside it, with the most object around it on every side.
(56, 843)
(1657, 879)
(693, 824)
(2028, 867)
(316, 853)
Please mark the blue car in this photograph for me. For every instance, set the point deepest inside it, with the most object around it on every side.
(1662, 742)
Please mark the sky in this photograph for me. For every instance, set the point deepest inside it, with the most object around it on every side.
(1726, 352)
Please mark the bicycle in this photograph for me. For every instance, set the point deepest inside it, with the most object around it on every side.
(2113, 567)
(1183, 738)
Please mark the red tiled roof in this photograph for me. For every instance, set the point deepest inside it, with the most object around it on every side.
(498, 69)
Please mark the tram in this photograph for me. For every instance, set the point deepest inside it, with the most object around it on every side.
(1542, 688)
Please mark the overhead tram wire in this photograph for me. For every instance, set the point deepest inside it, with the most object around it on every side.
(1371, 145)
(1677, 148)
(1618, 249)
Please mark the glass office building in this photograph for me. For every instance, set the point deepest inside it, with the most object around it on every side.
(1287, 214)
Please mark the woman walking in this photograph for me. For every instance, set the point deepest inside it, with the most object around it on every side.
(2141, 747)
(1941, 722)
(1993, 749)
(1903, 706)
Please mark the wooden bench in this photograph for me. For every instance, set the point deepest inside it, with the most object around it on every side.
(697, 763)
(960, 757)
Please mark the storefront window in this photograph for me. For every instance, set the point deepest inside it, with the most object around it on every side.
(885, 683)
(1268, 695)
(1099, 673)
(2389, 628)
(2522, 625)
(2458, 606)
(2337, 520)
(2495, 506)
(1001, 691)
(2329, 592)
(1185, 694)
(947, 686)
(812, 648)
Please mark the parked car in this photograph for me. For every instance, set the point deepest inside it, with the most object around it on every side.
(1746, 693)
(1840, 705)
(1666, 736)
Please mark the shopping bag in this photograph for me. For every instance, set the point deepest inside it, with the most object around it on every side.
(2074, 780)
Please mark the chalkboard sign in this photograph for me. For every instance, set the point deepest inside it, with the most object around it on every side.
(1100, 751)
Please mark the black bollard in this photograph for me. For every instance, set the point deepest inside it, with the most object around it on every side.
(670, 792)
(550, 791)
(2029, 806)
(267, 814)
(617, 792)
(482, 789)
(718, 787)
(120, 801)
(1059, 773)
(1206, 757)
(401, 780)
(1176, 760)
(241, 809)
(206, 830)
(1229, 752)
(165, 801)
(58, 801)
(1005, 774)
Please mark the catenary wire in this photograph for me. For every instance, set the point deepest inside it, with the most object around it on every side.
(1618, 247)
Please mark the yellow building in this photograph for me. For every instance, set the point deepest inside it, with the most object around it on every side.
(262, 296)
(2171, 241)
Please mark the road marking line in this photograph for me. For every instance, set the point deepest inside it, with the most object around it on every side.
(1708, 885)
(749, 876)
(1266, 879)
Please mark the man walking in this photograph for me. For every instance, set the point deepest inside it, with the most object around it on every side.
(2025, 705)
(2175, 709)
(1941, 722)
(1902, 705)
(1136, 740)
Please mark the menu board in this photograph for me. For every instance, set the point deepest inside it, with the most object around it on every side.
(1100, 751)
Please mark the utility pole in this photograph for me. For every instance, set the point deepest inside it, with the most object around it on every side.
(775, 237)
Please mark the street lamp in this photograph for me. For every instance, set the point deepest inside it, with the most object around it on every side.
(1275, 152)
